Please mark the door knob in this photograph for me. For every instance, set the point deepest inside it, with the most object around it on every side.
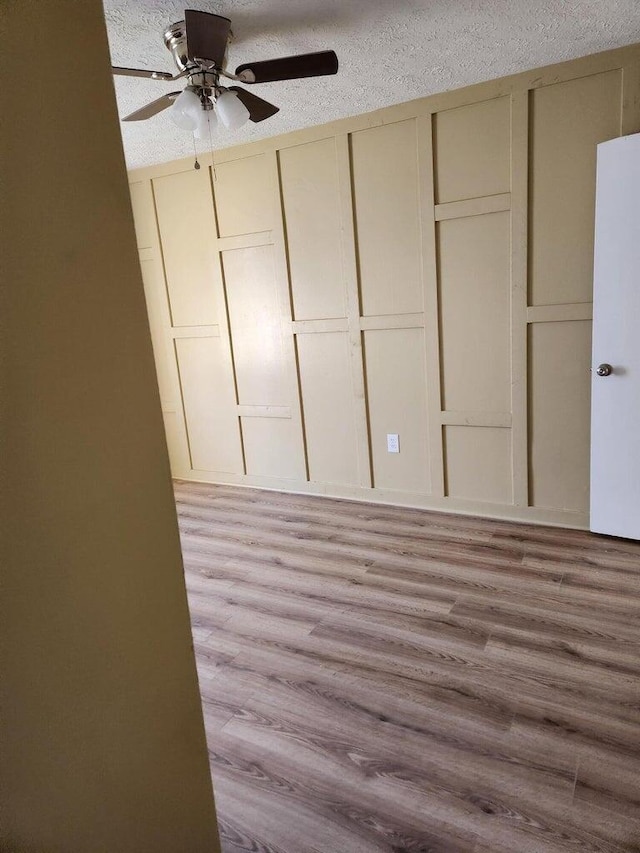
(604, 370)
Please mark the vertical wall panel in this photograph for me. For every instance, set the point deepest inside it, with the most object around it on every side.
(560, 392)
(177, 446)
(474, 255)
(311, 201)
(478, 463)
(385, 188)
(144, 217)
(329, 416)
(244, 196)
(273, 448)
(396, 391)
(471, 147)
(162, 349)
(254, 318)
(567, 121)
(187, 230)
(209, 405)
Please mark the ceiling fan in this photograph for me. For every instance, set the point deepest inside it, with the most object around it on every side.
(198, 45)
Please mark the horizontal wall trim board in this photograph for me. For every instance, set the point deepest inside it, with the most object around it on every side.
(392, 321)
(212, 331)
(245, 241)
(264, 412)
(560, 313)
(476, 419)
(531, 515)
(307, 327)
(473, 207)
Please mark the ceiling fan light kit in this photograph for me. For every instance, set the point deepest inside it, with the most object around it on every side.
(198, 45)
(207, 124)
(185, 110)
(231, 111)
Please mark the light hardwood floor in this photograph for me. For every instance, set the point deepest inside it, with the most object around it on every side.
(385, 679)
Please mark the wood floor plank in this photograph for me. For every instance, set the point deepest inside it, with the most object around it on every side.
(538, 617)
(591, 731)
(614, 784)
(390, 812)
(378, 679)
(454, 796)
(336, 592)
(223, 691)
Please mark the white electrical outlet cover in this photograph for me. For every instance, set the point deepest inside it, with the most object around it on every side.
(393, 443)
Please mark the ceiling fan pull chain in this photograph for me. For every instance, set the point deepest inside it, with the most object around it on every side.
(210, 142)
(196, 165)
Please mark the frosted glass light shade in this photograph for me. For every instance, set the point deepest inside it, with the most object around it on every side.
(207, 121)
(186, 110)
(231, 111)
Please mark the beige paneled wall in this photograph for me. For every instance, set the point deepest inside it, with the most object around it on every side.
(311, 203)
(423, 271)
(384, 162)
(330, 430)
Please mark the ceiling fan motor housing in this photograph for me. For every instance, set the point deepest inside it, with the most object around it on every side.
(175, 39)
(199, 41)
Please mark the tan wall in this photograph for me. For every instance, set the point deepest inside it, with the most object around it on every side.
(102, 743)
(423, 270)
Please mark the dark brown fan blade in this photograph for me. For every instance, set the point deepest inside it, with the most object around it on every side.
(142, 72)
(259, 109)
(289, 67)
(207, 36)
(153, 108)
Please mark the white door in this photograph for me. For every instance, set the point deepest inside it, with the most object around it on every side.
(615, 383)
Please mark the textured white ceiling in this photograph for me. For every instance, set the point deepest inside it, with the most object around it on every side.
(390, 51)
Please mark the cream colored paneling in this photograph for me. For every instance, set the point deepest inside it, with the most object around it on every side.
(471, 147)
(473, 206)
(153, 286)
(187, 231)
(307, 326)
(519, 287)
(560, 313)
(385, 192)
(209, 405)
(560, 389)
(244, 196)
(311, 202)
(478, 463)
(272, 448)
(178, 449)
(256, 335)
(144, 217)
(264, 411)
(567, 121)
(396, 392)
(433, 279)
(474, 255)
(328, 405)
(430, 289)
(353, 311)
